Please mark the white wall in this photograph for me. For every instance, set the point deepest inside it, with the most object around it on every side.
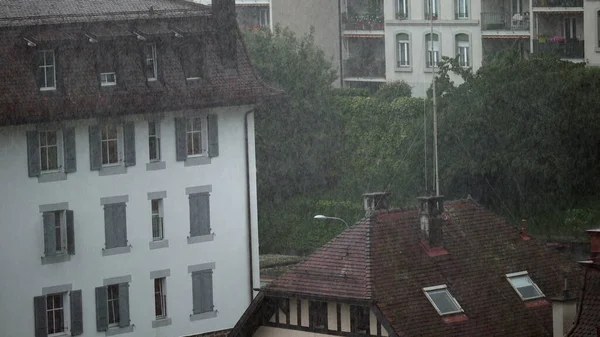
(21, 246)
(590, 33)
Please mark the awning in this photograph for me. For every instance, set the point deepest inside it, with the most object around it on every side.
(373, 36)
(505, 36)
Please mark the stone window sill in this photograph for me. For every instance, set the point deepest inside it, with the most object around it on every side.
(200, 238)
(204, 315)
(430, 69)
(118, 330)
(50, 177)
(112, 170)
(403, 69)
(161, 322)
(196, 161)
(116, 250)
(156, 165)
(159, 244)
(59, 258)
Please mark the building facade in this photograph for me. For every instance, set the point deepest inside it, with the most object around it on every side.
(128, 175)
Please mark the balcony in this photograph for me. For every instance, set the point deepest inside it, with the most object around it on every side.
(504, 21)
(364, 22)
(359, 67)
(557, 3)
(560, 48)
(363, 15)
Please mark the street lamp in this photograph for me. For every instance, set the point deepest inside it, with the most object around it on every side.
(323, 217)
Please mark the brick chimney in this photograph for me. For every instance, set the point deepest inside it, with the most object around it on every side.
(594, 245)
(430, 213)
(376, 201)
(564, 309)
(225, 25)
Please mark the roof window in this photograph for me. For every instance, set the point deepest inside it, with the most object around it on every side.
(442, 300)
(524, 286)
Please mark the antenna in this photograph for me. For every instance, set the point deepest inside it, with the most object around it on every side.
(433, 64)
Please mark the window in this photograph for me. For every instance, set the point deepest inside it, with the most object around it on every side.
(442, 301)
(403, 52)
(202, 289)
(598, 28)
(112, 306)
(317, 315)
(199, 214)
(46, 72)
(359, 319)
(401, 9)
(264, 17)
(570, 28)
(157, 220)
(58, 232)
(462, 50)
(110, 144)
(433, 50)
(154, 140)
(49, 150)
(192, 60)
(108, 79)
(524, 286)
(115, 225)
(58, 314)
(150, 66)
(431, 9)
(160, 298)
(462, 9)
(196, 129)
(55, 313)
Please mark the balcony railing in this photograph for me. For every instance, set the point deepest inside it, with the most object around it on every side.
(557, 3)
(363, 22)
(568, 49)
(504, 21)
(357, 67)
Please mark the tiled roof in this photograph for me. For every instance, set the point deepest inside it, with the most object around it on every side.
(587, 323)
(383, 260)
(79, 94)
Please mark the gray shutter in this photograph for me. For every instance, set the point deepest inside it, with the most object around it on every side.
(109, 226)
(33, 153)
(39, 308)
(204, 210)
(197, 292)
(76, 313)
(207, 290)
(101, 309)
(123, 304)
(120, 224)
(129, 143)
(180, 139)
(95, 148)
(49, 220)
(194, 215)
(213, 136)
(70, 232)
(69, 150)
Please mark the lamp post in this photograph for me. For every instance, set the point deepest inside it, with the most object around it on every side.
(323, 217)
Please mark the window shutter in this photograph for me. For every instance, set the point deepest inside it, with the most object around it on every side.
(120, 224)
(197, 292)
(123, 304)
(69, 150)
(109, 226)
(76, 313)
(207, 290)
(95, 150)
(49, 220)
(70, 232)
(194, 215)
(129, 143)
(39, 307)
(204, 210)
(33, 153)
(101, 309)
(213, 136)
(180, 139)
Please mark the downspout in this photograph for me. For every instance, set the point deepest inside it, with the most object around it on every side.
(341, 35)
(248, 205)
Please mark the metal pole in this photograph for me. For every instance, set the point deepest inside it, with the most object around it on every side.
(435, 143)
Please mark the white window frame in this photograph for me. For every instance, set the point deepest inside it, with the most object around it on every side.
(159, 214)
(115, 303)
(151, 58)
(119, 141)
(46, 67)
(402, 47)
(435, 9)
(162, 292)
(571, 21)
(156, 136)
(462, 48)
(462, 7)
(189, 131)
(511, 276)
(104, 79)
(66, 315)
(442, 288)
(59, 150)
(404, 12)
(263, 17)
(431, 54)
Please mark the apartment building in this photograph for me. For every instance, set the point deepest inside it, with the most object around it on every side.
(251, 14)
(128, 175)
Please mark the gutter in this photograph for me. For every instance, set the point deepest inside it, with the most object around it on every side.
(248, 205)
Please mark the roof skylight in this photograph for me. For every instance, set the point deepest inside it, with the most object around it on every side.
(524, 286)
(442, 300)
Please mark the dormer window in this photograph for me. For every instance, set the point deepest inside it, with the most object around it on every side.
(524, 286)
(150, 61)
(106, 65)
(46, 70)
(192, 60)
(108, 79)
(441, 299)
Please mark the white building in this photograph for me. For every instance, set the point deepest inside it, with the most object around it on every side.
(128, 173)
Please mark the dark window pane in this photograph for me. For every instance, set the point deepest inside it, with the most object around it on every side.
(51, 138)
(529, 292)
(43, 138)
(197, 124)
(44, 158)
(59, 320)
(443, 301)
(152, 128)
(190, 147)
(104, 153)
(112, 152)
(50, 318)
(196, 143)
(152, 148)
(52, 158)
(50, 77)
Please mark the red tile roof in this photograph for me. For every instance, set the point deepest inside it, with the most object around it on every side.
(587, 323)
(381, 259)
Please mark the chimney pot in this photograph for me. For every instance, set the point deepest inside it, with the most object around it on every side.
(431, 209)
(376, 201)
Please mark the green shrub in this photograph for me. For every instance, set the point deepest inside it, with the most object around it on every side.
(394, 90)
